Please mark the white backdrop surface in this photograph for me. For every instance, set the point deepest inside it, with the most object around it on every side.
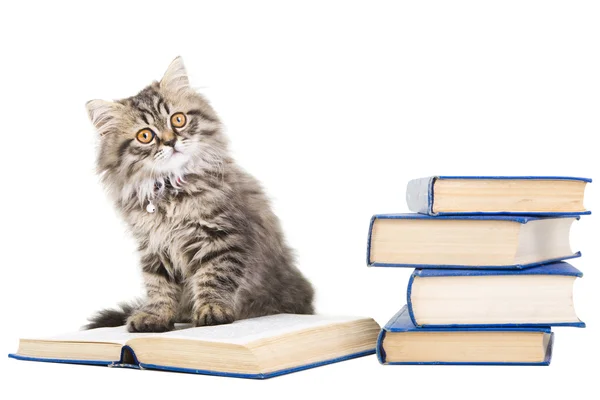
(334, 106)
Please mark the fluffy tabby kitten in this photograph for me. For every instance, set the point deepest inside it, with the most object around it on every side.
(212, 251)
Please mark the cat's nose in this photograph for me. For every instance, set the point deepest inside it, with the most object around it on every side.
(168, 138)
(170, 143)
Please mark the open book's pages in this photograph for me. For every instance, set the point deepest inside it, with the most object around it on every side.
(254, 348)
(484, 241)
(400, 342)
(530, 195)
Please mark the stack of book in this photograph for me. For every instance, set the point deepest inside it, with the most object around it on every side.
(489, 281)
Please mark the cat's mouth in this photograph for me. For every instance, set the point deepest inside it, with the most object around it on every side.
(175, 152)
(172, 160)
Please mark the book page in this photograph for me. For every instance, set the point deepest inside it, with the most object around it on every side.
(239, 332)
(118, 335)
(249, 330)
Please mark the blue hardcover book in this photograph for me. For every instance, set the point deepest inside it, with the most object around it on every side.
(400, 342)
(475, 241)
(539, 296)
(521, 195)
(256, 348)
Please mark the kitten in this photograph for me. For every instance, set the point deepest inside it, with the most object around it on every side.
(212, 251)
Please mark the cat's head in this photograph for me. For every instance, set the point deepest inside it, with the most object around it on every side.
(164, 132)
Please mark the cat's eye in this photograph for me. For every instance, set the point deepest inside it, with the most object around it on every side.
(178, 120)
(145, 136)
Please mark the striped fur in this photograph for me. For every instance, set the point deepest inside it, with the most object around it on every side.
(213, 252)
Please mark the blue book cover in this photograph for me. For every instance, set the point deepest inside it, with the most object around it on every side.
(557, 269)
(135, 364)
(401, 323)
(520, 219)
(420, 195)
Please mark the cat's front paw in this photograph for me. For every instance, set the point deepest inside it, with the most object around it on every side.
(213, 314)
(142, 321)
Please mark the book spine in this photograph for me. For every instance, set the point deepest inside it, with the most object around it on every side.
(379, 348)
(409, 304)
(369, 240)
(549, 349)
(419, 195)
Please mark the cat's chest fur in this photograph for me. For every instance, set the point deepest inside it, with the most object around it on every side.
(170, 228)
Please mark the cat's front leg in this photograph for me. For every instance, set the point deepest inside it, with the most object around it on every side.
(217, 275)
(163, 293)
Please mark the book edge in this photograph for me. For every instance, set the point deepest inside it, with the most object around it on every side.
(515, 213)
(196, 371)
(474, 267)
(515, 364)
(510, 326)
(569, 270)
(523, 177)
(60, 360)
(546, 328)
(264, 375)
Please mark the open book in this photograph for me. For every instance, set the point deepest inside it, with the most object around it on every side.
(254, 348)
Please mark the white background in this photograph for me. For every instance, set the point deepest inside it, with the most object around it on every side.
(334, 106)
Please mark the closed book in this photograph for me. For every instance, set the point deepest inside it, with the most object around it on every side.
(479, 241)
(256, 348)
(400, 342)
(539, 296)
(530, 195)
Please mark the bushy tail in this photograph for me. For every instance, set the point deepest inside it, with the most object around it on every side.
(113, 317)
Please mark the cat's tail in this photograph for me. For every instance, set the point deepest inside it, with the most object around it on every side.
(111, 317)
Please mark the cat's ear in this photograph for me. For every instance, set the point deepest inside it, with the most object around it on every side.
(175, 79)
(102, 113)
